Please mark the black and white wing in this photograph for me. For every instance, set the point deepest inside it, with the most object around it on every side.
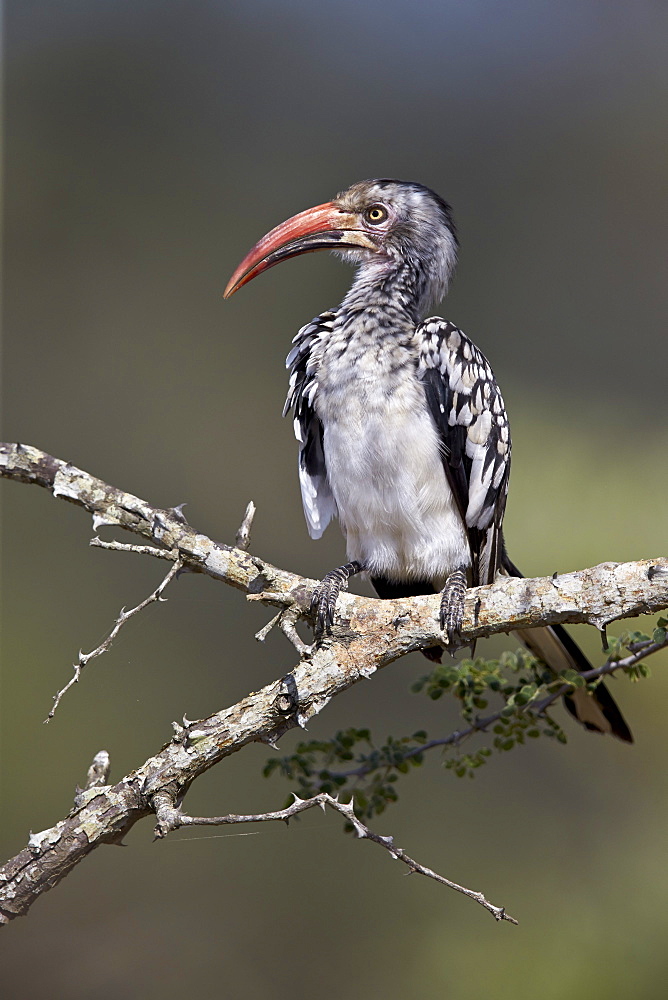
(302, 362)
(467, 407)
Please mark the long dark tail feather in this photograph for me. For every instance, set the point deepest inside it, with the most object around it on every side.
(596, 711)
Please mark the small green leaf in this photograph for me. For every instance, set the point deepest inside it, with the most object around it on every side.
(572, 677)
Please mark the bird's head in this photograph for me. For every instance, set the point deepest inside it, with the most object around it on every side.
(382, 225)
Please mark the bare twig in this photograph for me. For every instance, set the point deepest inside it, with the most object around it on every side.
(98, 772)
(287, 621)
(97, 777)
(171, 818)
(124, 616)
(142, 550)
(243, 534)
(266, 629)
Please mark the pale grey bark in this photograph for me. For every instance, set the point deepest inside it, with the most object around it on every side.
(368, 635)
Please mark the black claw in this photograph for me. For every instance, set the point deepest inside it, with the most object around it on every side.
(452, 606)
(325, 596)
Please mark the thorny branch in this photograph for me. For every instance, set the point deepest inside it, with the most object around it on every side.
(171, 818)
(123, 618)
(638, 651)
(143, 550)
(368, 635)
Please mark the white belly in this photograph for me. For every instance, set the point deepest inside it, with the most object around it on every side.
(385, 470)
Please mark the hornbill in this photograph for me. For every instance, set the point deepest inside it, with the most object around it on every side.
(401, 425)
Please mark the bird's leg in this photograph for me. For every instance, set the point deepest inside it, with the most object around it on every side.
(325, 595)
(452, 605)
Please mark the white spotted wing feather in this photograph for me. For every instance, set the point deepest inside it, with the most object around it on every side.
(467, 407)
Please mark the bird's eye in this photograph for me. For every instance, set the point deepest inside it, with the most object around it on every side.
(375, 215)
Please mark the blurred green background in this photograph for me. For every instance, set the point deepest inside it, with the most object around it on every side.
(148, 145)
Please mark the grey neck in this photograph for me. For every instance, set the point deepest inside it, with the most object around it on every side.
(390, 290)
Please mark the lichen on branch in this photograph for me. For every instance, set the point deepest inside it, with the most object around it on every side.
(368, 635)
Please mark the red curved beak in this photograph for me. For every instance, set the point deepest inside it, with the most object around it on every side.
(324, 227)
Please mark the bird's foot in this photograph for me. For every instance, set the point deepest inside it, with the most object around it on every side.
(325, 595)
(452, 606)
